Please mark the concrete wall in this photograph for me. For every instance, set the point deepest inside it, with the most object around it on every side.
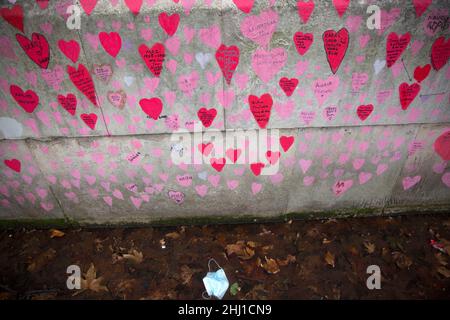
(370, 127)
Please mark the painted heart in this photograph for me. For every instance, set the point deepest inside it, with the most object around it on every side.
(364, 111)
(335, 44)
(340, 187)
(228, 59)
(446, 179)
(305, 8)
(103, 72)
(233, 154)
(134, 6)
(341, 6)
(169, 23)
(420, 73)
(273, 156)
(218, 163)
(256, 168)
(260, 28)
(90, 119)
(111, 42)
(267, 63)
(207, 116)
(153, 57)
(442, 145)
(440, 52)
(176, 196)
(395, 47)
(205, 148)
(408, 93)
(324, 88)
(88, 5)
(43, 4)
(13, 16)
(28, 100)
(13, 164)
(71, 49)
(151, 107)
(82, 79)
(260, 108)
(303, 41)
(37, 48)
(409, 182)
(117, 98)
(330, 112)
(244, 5)
(421, 6)
(69, 103)
(286, 142)
(288, 85)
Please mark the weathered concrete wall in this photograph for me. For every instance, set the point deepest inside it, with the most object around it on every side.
(369, 117)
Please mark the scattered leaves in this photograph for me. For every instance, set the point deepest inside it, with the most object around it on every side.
(370, 247)
(241, 249)
(270, 265)
(134, 255)
(234, 289)
(329, 259)
(55, 233)
(401, 260)
(186, 274)
(173, 235)
(42, 260)
(285, 262)
(91, 282)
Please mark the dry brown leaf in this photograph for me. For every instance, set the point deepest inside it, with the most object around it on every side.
(354, 251)
(444, 271)
(186, 274)
(241, 249)
(91, 282)
(329, 258)
(370, 247)
(42, 260)
(401, 260)
(285, 262)
(134, 255)
(55, 233)
(173, 235)
(270, 265)
(326, 241)
(441, 258)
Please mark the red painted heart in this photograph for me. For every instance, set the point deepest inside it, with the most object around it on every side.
(69, 103)
(111, 42)
(37, 48)
(305, 8)
(90, 119)
(205, 148)
(228, 60)
(364, 111)
(153, 57)
(207, 116)
(288, 85)
(335, 44)
(13, 164)
(395, 47)
(71, 49)
(28, 100)
(442, 145)
(169, 23)
(233, 154)
(134, 6)
(43, 4)
(303, 41)
(151, 107)
(260, 108)
(421, 6)
(82, 79)
(256, 168)
(420, 73)
(341, 6)
(218, 163)
(408, 93)
(13, 16)
(273, 156)
(286, 142)
(440, 52)
(244, 5)
(88, 5)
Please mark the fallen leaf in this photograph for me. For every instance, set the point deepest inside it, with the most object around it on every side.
(241, 249)
(55, 233)
(271, 266)
(370, 247)
(441, 259)
(234, 289)
(401, 260)
(42, 260)
(134, 255)
(91, 282)
(186, 274)
(173, 235)
(444, 271)
(285, 262)
(329, 258)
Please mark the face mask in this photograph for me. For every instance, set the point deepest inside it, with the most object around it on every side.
(216, 283)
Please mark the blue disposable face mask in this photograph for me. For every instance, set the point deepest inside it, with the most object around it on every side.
(216, 283)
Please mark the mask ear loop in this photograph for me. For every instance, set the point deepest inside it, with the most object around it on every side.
(206, 297)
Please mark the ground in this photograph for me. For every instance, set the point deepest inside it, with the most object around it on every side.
(315, 259)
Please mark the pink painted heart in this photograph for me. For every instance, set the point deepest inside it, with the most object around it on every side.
(303, 41)
(407, 94)
(446, 179)
(341, 6)
(211, 36)
(88, 5)
(409, 182)
(304, 9)
(440, 52)
(134, 6)
(341, 186)
(82, 79)
(260, 28)
(188, 83)
(169, 23)
(267, 63)
(324, 88)
(69, 103)
(153, 57)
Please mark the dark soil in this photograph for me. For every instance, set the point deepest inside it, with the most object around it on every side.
(292, 260)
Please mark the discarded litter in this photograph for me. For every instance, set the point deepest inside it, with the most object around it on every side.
(216, 283)
(437, 245)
